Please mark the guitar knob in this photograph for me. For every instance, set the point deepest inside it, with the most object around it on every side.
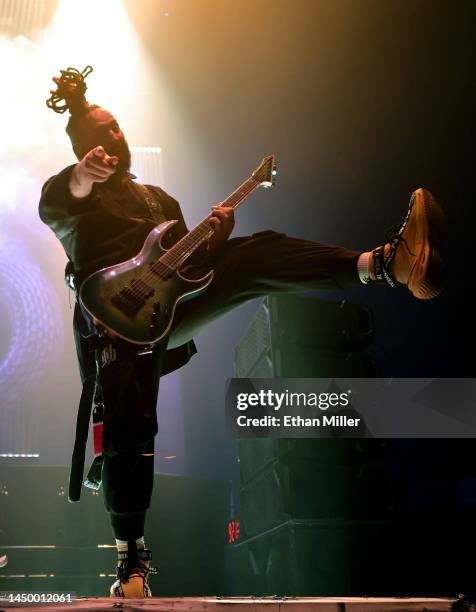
(154, 317)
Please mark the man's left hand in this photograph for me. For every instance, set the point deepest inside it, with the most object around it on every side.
(222, 222)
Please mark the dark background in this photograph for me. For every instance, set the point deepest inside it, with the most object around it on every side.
(362, 102)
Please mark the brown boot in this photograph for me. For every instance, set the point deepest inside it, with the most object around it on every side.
(413, 256)
(132, 573)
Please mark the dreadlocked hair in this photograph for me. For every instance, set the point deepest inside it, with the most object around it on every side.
(70, 95)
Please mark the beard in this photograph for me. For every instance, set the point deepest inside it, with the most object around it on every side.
(122, 151)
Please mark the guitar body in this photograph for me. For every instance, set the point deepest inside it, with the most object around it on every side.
(133, 301)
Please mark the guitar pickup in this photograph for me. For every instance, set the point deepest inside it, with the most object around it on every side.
(128, 301)
(142, 288)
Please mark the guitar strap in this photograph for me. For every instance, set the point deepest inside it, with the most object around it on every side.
(153, 204)
(81, 438)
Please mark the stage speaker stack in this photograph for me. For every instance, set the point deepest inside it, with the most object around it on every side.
(311, 510)
(332, 517)
(298, 337)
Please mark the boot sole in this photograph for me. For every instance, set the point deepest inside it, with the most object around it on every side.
(428, 275)
(135, 588)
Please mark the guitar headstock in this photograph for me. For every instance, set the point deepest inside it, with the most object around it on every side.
(266, 172)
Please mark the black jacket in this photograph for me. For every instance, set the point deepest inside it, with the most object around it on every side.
(107, 228)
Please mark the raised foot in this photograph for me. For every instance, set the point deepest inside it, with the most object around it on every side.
(413, 256)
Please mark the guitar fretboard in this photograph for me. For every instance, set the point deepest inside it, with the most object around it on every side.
(174, 257)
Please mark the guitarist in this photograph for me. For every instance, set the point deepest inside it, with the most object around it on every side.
(102, 217)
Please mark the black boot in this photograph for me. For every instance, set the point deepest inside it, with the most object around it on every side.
(132, 573)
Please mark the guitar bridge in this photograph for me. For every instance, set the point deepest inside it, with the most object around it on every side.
(131, 299)
(127, 301)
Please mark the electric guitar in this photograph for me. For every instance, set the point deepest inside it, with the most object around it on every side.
(135, 300)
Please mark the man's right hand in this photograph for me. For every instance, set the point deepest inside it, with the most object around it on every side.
(95, 167)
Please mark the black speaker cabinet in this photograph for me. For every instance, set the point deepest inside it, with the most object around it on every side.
(338, 558)
(300, 488)
(297, 336)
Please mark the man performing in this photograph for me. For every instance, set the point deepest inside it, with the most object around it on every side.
(102, 217)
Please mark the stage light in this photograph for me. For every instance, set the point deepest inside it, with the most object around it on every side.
(20, 111)
(98, 33)
(33, 344)
(16, 455)
(147, 165)
(146, 149)
(25, 18)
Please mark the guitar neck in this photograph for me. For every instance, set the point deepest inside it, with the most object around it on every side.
(174, 257)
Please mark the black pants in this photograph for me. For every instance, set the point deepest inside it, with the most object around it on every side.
(245, 268)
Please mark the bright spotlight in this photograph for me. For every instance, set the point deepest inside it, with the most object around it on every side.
(98, 33)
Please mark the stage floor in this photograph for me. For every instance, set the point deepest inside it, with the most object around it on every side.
(249, 604)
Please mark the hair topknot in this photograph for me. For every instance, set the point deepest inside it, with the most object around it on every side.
(69, 95)
(71, 88)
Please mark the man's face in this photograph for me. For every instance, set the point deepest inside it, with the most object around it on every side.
(99, 127)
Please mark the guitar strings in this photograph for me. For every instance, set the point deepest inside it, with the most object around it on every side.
(175, 258)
